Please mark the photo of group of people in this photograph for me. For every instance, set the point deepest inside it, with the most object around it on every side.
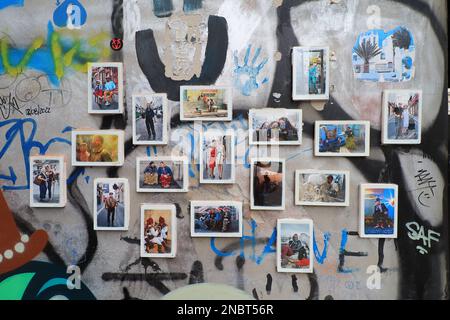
(402, 112)
(158, 230)
(217, 157)
(310, 73)
(105, 87)
(97, 148)
(275, 126)
(321, 188)
(216, 219)
(150, 119)
(205, 103)
(162, 174)
(47, 188)
(342, 138)
(111, 204)
(267, 184)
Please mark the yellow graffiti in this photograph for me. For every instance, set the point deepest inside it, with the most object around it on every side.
(18, 69)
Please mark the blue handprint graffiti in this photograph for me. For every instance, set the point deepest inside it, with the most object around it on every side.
(245, 77)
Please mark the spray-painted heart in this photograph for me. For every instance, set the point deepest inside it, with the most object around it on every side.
(70, 14)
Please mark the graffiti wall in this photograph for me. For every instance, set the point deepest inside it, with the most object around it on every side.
(44, 52)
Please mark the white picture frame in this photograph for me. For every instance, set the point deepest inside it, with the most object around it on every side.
(256, 205)
(86, 155)
(312, 173)
(36, 164)
(164, 122)
(196, 204)
(301, 225)
(363, 224)
(300, 73)
(400, 96)
(341, 137)
(227, 97)
(157, 160)
(92, 93)
(274, 115)
(227, 157)
(125, 206)
(171, 210)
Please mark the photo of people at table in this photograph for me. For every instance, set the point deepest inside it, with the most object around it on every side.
(155, 174)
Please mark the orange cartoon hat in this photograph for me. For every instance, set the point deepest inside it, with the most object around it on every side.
(17, 249)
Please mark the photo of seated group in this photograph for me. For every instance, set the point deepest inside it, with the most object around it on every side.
(216, 219)
(162, 174)
(105, 87)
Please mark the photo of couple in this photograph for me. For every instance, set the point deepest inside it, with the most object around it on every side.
(217, 157)
(158, 233)
(161, 175)
(46, 181)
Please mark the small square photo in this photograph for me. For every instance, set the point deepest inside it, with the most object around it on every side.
(275, 126)
(97, 147)
(267, 184)
(205, 103)
(105, 88)
(217, 156)
(216, 219)
(47, 181)
(158, 231)
(342, 138)
(295, 245)
(162, 174)
(378, 210)
(111, 204)
(402, 116)
(150, 119)
(322, 188)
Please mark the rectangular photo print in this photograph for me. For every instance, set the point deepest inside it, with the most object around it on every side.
(217, 163)
(295, 245)
(162, 174)
(97, 147)
(205, 103)
(48, 181)
(158, 231)
(111, 204)
(378, 210)
(402, 116)
(271, 126)
(105, 88)
(322, 188)
(342, 138)
(216, 219)
(310, 73)
(150, 119)
(267, 184)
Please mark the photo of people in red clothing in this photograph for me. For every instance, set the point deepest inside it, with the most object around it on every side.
(162, 174)
(105, 88)
(294, 245)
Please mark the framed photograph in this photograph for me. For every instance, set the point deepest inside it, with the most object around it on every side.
(310, 68)
(402, 116)
(295, 245)
(150, 119)
(162, 174)
(275, 126)
(267, 184)
(216, 219)
(111, 204)
(378, 210)
(97, 147)
(342, 138)
(158, 231)
(217, 156)
(322, 188)
(105, 87)
(48, 181)
(206, 103)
